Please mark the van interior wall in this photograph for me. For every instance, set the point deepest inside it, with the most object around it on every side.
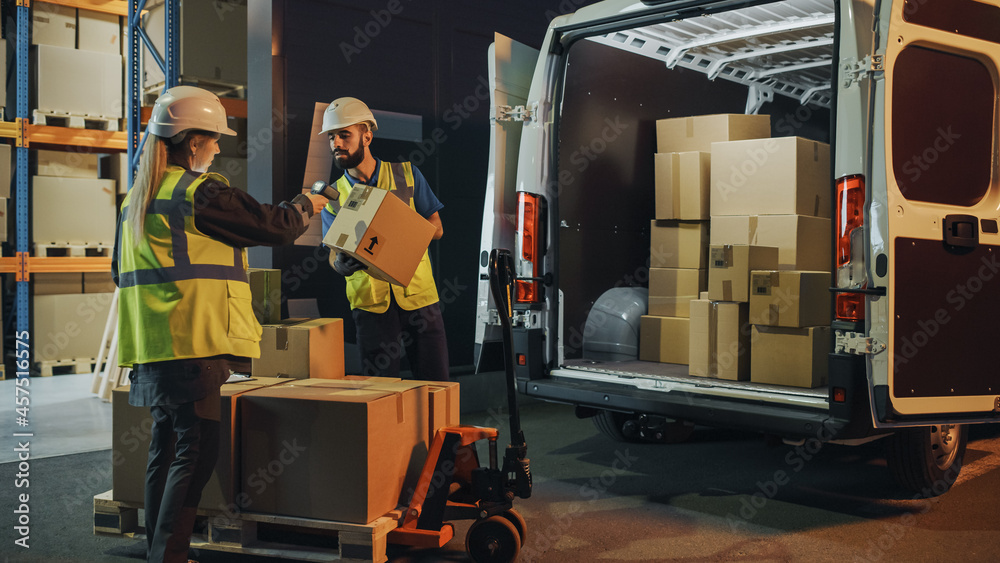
(427, 59)
(607, 139)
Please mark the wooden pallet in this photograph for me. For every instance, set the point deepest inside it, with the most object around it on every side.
(48, 368)
(97, 250)
(55, 119)
(266, 535)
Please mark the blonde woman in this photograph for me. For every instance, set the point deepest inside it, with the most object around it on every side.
(185, 319)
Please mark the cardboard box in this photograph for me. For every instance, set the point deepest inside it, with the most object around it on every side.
(68, 326)
(301, 348)
(678, 244)
(3, 220)
(343, 454)
(672, 289)
(790, 298)
(99, 31)
(730, 267)
(786, 176)
(87, 215)
(663, 339)
(790, 356)
(720, 340)
(697, 133)
(131, 428)
(5, 170)
(96, 79)
(116, 168)
(265, 290)
(53, 24)
(381, 231)
(98, 282)
(803, 242)
(67, 164)
(57, 283)
(682, 185)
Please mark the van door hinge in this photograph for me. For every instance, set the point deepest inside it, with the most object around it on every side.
(854, 71)
(515, 113)
(857, 343)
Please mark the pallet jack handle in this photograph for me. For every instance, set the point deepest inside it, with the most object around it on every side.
(516, 463)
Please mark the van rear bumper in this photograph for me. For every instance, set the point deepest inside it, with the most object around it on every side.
(783, 420)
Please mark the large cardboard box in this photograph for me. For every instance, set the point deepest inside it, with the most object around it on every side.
(342, 454)
(790, 298)
(301, 348)
(89, 219)
(785, 176)
(804, 242)
(790, 356)
(678, 244)
(53, 24)
(5, 170)
(682, 185)
(131, 429)
(68, 326)
(720, 340)
(96, 79)
(57, 283)
(98, 282)
(697, 133)
(730, 267)
(663, 339)
(265, 291)
(383, 232)
(67, 164)
(672, 289)
(99, 31)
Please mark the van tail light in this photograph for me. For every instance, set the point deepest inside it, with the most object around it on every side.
(850, 247)
(529, 217)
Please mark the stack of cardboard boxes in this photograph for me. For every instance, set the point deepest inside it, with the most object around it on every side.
(679, 235)
(764, 314)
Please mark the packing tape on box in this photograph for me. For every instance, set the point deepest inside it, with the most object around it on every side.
(761, 283)
(342, 240)
(400, 410)
(281, 338)
(722, 257)
(359, 195)
(690, 126)
(752, 224)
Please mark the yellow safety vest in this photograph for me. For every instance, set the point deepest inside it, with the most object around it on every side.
(370, 294)
(182, 293)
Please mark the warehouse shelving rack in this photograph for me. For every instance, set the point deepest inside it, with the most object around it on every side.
(25, 135)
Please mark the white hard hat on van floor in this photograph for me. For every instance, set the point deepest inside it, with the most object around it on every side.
(344, 112)
(186, 107)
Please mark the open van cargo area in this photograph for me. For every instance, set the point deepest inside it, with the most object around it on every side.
(775, 59)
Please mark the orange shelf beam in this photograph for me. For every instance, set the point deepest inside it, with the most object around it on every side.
(117, 7)
(52, 264)
(91, 138)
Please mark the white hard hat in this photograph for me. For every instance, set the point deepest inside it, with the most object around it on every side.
(344, 112)
(185, 107)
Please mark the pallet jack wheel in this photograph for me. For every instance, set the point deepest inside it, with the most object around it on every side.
(493, 540)
(519, 524)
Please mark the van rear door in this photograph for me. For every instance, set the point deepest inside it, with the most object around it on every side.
(935, 242)
(511, 65)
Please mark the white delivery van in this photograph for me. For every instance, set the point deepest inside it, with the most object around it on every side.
(903, 94)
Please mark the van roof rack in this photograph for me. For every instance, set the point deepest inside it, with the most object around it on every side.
(780, 48)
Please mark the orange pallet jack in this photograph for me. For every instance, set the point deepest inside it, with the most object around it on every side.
(453, 484)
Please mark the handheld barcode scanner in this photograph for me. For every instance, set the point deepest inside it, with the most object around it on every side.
(322, 188)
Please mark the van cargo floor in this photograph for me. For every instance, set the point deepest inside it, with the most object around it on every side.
(656, 374)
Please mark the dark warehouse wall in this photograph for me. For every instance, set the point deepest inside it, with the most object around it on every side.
(426, 58)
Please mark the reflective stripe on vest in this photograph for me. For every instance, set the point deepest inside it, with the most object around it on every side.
(183, 294)
(370, 294)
